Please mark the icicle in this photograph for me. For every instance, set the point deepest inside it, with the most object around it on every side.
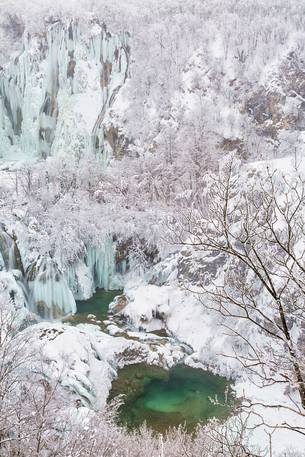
(51, 297)
(97, 270)
(101, 262)
(37, 86)
(7, 251)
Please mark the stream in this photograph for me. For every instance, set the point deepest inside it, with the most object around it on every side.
(161, 398)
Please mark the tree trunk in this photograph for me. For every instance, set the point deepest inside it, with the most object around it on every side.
(296, 366)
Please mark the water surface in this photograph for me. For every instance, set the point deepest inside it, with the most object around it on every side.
(182, 395)
(161, 398)
(97, 305)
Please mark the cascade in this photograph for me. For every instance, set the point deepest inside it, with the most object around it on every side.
(56, 94)
(7, 251)
(96, 270)
(51, 297)
(53, 292)
(50, 292)
(55, 97)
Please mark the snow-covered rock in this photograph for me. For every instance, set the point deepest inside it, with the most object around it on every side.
(85, 360)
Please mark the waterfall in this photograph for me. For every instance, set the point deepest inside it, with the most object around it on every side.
(50, 292)
(56, 94)
(51, 297)
(96, 270)
(53, 292)
(55, 98)
(7, 251)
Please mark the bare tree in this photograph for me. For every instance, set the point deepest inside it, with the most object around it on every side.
(38, 418)
(31, 422)
(258, 223)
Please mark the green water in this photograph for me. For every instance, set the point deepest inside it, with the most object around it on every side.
(161, 398)
(164, 399)
(98, 305)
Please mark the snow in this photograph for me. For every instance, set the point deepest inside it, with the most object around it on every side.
(49, 100)
(187, 320)
(188, 93)
(86, 360)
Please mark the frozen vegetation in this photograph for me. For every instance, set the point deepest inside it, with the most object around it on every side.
(155, 148)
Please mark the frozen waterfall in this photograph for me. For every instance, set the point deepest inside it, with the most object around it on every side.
(56, 94)
(96, 270)
(53, 292)
(55, 98)
(51, 297)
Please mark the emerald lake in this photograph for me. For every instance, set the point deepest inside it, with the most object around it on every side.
(160, 398)
(167, 398)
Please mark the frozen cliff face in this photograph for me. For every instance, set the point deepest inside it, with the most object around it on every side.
(55, 98)
(55, 95)
(53, 291)
(97, 269)
(50, 295)
(49, 287)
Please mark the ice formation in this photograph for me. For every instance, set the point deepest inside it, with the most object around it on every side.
(55, 97)
(50, 295)
(96, 270)
(51, 291)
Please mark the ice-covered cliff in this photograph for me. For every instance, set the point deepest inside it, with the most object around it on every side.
(55, 98)
(55, 95)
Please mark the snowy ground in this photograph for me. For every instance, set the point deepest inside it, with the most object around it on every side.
(185, 318)
(85, 360)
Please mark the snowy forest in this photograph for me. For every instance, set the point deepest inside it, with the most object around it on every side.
(152, 228)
